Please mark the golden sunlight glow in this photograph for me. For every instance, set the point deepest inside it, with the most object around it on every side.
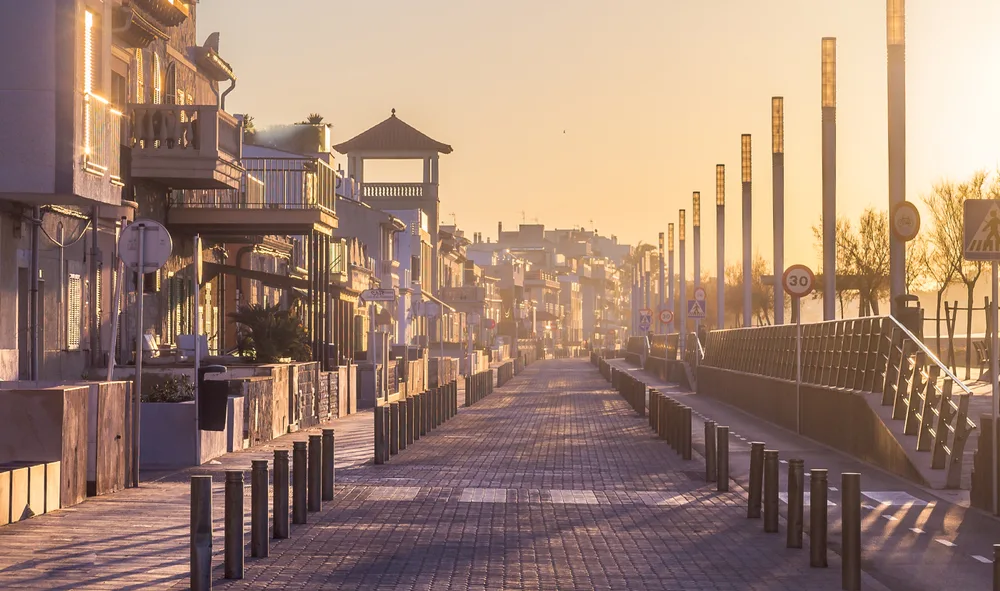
(720, 184)
(895, 21)
(747, 173)
(88, 51)
(681, 223)
(829, 72)
(696, 209)
(670, 237)
(778, 125)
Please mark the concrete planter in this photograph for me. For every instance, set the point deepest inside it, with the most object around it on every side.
(166, 436)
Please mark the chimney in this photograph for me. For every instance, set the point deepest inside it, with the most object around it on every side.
(499, 230)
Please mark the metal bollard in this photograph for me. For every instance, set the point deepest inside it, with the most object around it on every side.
(722, 449)
(640, 398)
(393, 428)
(428, 411)
(258, 509)
(281, 526)
(754, 495)
(795, 503)
(653, 395)
(234, 525)
(201, 533)
(662, 407)
(299, 482)
(817, 518)
(771, 491)
(404, 413)
(315, 473)
(850, 484)
(378, 435)
(439, 394)
(710, 467)
(328, 464)
(385, 432)
(686, 426)
(418, 417)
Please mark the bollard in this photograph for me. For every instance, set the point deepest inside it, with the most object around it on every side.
(439, 394)
(201, 533)
(315, 473)
(234, 525)
(722, 451)
(850, 484)
(428, 411)
(686, 426)
(453, 386)
(258, 509)
(418, 418)
(385, 432)
(328, 469)
(378, 435)
(771, 491)
(664, 423)
(817, 518)
(795, 503)
(393, 428)
(404, 417)
(653, 395)
(299, 482)
(756, 480)
(280, 494)
(640, 398)
(710, 468)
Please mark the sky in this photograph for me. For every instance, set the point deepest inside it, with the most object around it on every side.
(608, 114)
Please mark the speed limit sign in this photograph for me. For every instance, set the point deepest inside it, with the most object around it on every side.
(798, 281)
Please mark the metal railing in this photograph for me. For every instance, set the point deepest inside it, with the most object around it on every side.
(389, 190)
(874, 354)
(102, 137)
(295, 183)
(466, 293)
(250, 195)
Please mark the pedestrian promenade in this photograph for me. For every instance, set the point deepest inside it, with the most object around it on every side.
(551, 482)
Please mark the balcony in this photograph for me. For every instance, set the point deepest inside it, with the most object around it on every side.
(186, 146)
(387, 273)
(102, 135)
(468, 298)
(292, 196)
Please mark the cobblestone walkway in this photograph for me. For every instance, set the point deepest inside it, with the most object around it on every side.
(549, 483)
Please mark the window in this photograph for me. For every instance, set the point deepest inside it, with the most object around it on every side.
(74, 312)
(89, 51)
(139, 75)
(157, 80)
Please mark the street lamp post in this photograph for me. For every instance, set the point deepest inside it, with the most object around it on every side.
(896, 42)
(681, 223)
(747, 227)
(696, 234)
(829, 101)
(662, 283)
(670, 274)
(720, 245)
(778, 184)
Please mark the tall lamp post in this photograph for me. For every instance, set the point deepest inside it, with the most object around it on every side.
(670, 274)
(720, 245)
(696, 234)
(829, 98)
(663, 281)
(747, 226)
(896, 41)
(778, 184)
(681, 222)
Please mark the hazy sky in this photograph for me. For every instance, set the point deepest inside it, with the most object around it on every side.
(615, 111)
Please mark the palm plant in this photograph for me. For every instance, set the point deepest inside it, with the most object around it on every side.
(271, 334)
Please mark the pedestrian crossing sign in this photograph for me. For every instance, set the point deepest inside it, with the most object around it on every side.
(696, 309)
(982, 229)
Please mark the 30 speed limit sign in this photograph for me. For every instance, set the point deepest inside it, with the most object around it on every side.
(798, 281)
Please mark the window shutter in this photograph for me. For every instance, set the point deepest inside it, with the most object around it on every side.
(74, 303)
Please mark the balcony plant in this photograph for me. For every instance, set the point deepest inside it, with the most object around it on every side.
(269, 334)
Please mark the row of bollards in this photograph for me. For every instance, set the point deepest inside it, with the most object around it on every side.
(398, 424)
(478, 386)
(764, 490)
(505, 373)
(312, 481)
(717, 455)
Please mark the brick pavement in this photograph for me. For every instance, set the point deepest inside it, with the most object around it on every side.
(549, 483)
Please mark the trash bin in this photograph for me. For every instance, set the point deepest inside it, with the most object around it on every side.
(910, 316)
(213, 399)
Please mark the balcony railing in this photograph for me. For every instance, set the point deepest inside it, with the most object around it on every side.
(467, 293)
(389, 190)
(250, 193)
(294, 183)
(185, 130)
(102, 125)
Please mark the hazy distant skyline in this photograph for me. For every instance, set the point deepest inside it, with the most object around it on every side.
(651, 95)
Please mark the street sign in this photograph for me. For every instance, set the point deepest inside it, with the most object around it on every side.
(666, 316)
(156, 242)
(645, 319)
(699, 294)
(905, 221)
(490, 324)
(379, 295)
(798, 281)
(696, 310)
(982, 230)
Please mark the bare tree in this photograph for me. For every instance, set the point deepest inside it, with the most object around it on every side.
(842, 238)
(761, 296)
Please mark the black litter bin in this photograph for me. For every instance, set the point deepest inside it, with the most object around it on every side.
(213, 399)
(910, 316)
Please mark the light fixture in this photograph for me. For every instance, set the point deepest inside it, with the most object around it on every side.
(696, 209)
(747, 177)
(680, 221)
(778, 125)
(720, 184)
(829, 72)
(670, 237)
(895, 13)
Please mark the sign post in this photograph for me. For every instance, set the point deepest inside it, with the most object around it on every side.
(666, 317)
(798, 281)
(645, 320)
(144, 247)
(378, 295)
(982, 243)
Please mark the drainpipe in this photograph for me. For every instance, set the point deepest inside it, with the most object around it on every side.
(239, 265)
(222, 99)
(95, 266)
(36, 222)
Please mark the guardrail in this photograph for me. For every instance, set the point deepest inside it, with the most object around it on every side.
(874, 354)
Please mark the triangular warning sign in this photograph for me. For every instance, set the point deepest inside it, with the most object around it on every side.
(695, 309)
(987, 237)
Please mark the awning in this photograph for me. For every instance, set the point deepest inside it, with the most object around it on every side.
(546, 316)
